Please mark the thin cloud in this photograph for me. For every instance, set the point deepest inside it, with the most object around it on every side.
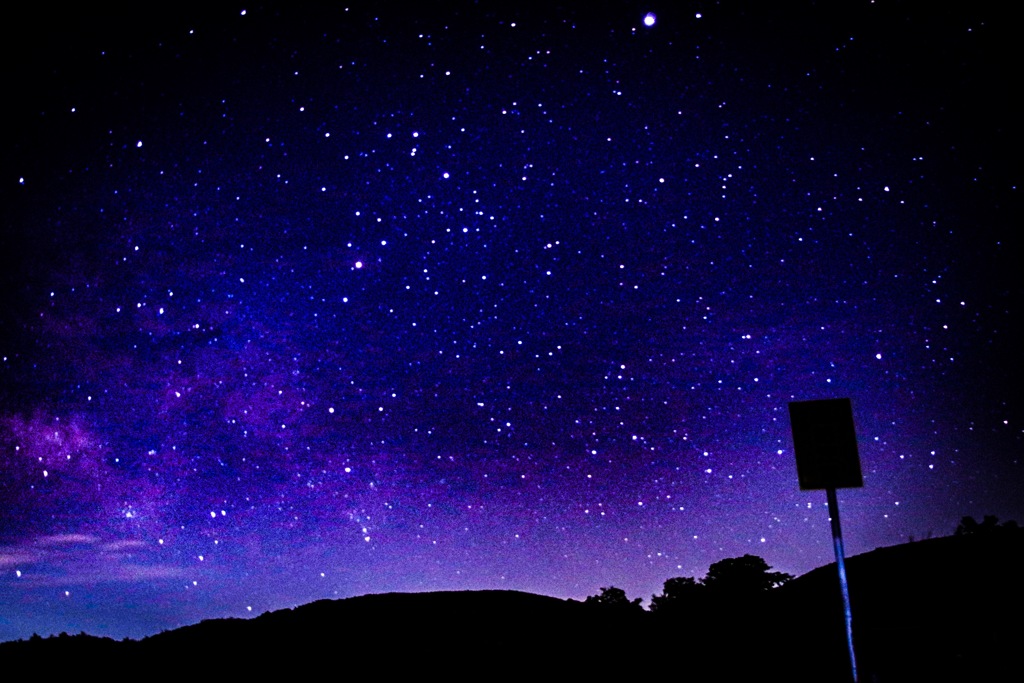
(82, 559)
(67, 539)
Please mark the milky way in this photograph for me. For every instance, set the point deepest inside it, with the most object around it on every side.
(305, 304)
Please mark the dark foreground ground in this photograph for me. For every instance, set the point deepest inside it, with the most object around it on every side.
(946, 609)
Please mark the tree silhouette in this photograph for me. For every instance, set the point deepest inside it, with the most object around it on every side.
(732, 581)
(613, 598)
(743, 576)
(679, 594)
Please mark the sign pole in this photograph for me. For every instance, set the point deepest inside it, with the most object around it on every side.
(825, 445)
(837, 542)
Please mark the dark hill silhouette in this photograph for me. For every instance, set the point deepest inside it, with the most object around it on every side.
(461, 633)
(942, 609)
(469, 629)
(939, 609)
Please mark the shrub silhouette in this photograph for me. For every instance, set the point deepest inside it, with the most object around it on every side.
(989, 525)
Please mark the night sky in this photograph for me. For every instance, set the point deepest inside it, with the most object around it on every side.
(316, 303)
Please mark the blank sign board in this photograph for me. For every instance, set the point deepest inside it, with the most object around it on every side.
(825, 444)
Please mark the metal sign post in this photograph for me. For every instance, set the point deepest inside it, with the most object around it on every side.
(825, 444)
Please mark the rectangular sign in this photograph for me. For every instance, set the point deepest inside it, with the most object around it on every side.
(825, 444)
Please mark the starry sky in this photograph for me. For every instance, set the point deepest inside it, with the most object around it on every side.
(307, 303)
